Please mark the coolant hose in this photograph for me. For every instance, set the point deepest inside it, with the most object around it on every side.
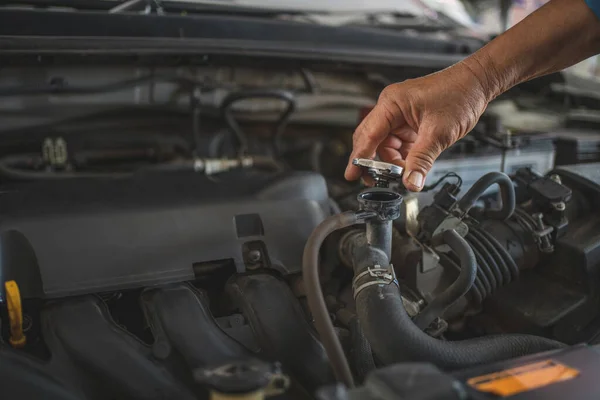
(314, 294)
(395, 338)
(507, 193)
(363, 355)
(460, 287)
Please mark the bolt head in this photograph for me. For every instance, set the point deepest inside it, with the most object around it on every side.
(254, 256)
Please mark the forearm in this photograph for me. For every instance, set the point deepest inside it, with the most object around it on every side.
(558, 35)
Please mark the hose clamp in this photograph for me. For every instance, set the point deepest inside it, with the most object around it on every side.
(375, 275)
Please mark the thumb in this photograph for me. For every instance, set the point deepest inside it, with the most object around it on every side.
(421, 157)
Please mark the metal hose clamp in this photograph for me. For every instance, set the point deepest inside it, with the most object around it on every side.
(375, 276)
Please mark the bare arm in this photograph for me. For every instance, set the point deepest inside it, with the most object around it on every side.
(558, 35)
(414, 121)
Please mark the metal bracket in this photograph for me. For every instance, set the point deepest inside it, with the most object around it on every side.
(543, 232)
(541, 235)
(429, 259)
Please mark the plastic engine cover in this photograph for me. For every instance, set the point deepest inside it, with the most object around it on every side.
(100, 235)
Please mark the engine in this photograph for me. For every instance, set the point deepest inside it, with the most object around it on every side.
(97, 303)
(174, 222)
(477, 282)
(533, 271)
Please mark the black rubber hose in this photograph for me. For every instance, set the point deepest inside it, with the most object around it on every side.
(486, 265)
(196, 124)
(495, 266)
(477, 290)
(507, 192)
(363, 355)
(485, 284)
(395, 338)
(501, 250)
(458, 288)
(504, 275)
(314, 294)
(232, 98)
(480, 280)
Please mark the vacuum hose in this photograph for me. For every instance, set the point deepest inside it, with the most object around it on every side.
(495, 266)
(507, 193)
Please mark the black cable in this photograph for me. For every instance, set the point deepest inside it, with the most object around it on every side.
(279, 129)
(309, 80)
(196, 111)
(59, 86)
(16, 168)
(436, 183)
(242, 140)
(281, 125)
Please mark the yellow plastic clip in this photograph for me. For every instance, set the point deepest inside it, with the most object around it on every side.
(15, 314)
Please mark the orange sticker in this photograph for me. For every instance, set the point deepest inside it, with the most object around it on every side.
(524, 378)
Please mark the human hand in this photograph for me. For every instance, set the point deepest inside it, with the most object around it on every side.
(415, 120)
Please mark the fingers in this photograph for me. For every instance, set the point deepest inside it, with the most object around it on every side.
(421, 157)
(405, 149)
(390, 155)
(369, 135)
(401, 139)
(406, 134)
(391, 141)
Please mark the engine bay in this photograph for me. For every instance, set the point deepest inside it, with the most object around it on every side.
(174, 224)
(113, 307)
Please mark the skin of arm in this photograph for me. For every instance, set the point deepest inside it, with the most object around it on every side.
(415, 120)
(556, 36)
